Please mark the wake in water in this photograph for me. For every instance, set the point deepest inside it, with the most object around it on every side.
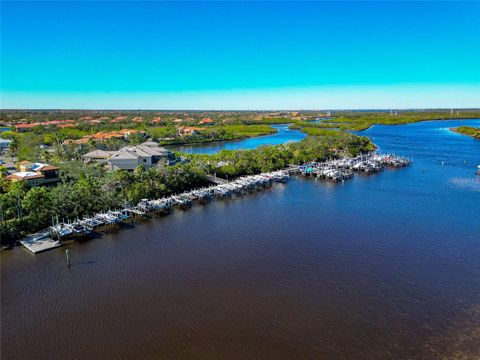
(466, 183)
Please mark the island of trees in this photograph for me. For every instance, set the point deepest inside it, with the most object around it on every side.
(468, 130)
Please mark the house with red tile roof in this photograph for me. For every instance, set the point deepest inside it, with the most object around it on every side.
(189, 130)
(118, 119)
(25, 127)
(207, 121)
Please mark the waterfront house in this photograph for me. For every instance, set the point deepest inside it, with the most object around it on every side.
(30, 177)
(129, 159)
(147, 154)
(97, 156)
(35, 174)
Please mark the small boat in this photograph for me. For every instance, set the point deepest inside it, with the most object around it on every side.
(478, 170)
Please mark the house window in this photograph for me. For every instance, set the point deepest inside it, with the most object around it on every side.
(144, 160)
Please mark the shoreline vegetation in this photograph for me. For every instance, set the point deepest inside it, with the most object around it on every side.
(468, 131)
(360, 121)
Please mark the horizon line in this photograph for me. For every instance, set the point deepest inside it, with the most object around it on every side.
(245, 110)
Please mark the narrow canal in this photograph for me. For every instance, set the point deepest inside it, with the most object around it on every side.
(385, 266)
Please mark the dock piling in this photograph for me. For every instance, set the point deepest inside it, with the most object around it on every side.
(67, 252)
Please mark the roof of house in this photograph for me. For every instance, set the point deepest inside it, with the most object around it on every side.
(48, 168)
(25, 175)
(106, 135)
(139, 151)
(118, 119)
(25, 126)
(128, 131)
(124, 155)
(150, 143)
(153, 150)
(81, 141)
(99, 154)
(43, 167)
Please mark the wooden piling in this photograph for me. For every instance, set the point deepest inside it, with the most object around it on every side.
(67, 252)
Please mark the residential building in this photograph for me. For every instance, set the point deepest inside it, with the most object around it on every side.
(35, 174)
(148, 154)
(188, 130)
(30, 177)
(98, 156)
(102, 136)
(25, 127)
(207, 121)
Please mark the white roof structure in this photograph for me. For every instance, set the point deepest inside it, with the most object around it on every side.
(26, 174)
(146, 150)
(124, 155)
(99, 154)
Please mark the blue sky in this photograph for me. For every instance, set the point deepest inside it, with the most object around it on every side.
(240, 55)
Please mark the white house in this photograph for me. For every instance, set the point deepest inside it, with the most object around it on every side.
(147, 154)
(129, 159)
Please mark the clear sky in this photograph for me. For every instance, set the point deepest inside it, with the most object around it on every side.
(240, 55)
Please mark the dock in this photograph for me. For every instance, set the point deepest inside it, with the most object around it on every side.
(40, 242)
